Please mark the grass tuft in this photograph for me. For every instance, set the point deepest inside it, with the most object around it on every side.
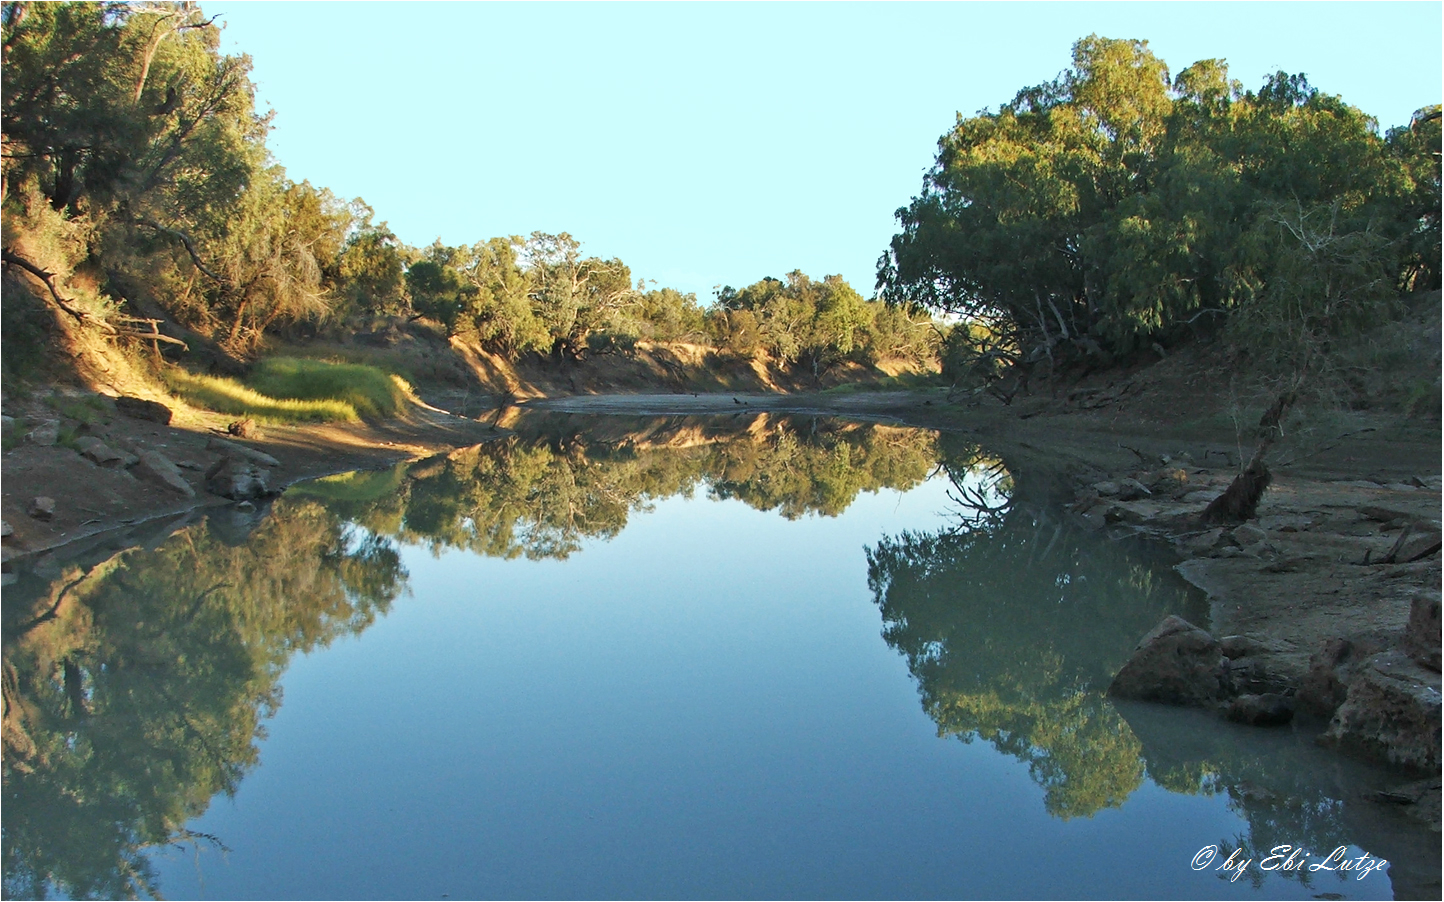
(370, 392)
(293, 390)
(228, 396)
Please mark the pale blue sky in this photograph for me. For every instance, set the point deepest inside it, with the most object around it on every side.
(710, 144)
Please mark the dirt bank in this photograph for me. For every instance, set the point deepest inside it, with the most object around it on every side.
(52, 453)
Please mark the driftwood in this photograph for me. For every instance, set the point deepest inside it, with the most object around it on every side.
(1240, 500)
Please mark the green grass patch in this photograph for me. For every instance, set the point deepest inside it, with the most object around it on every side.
(293, 390)
(229, 396)
(370, 392)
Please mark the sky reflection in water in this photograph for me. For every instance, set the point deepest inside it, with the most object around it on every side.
(701, 706)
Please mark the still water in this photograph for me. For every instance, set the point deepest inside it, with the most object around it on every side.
(688, 658)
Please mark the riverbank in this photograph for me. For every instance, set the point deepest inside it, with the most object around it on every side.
(77, 466)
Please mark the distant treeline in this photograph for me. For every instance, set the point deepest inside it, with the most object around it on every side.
(1117, 208)
(135, 172)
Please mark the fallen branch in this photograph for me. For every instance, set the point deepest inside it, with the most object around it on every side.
(13, 259)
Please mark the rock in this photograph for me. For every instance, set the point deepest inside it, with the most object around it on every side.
(238, 479)
(1252, 676)
(1421, 636)
(1415, 545)
(243, 428)
(7, 424)
(1106, 489)
(1131, 490)
(1392, 713)
(1117, 513)
(156, 467)
(1176, 663)
(6, 530)
(141, 409)
(1240, 647)
(1208, 541)
(1267, 710)
(102, 454)
(42, 507)
(238, 450)
(1331, 668)
(46, 434)
(1248, 534)
(1169, 480)
(1202, 496)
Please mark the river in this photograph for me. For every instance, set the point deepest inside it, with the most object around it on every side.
(730, 657)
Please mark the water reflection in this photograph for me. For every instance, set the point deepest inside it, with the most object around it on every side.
(559, 482)
(136, 689)
(1013, 622)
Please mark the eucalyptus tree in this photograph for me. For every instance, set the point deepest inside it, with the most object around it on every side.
(1116, 206)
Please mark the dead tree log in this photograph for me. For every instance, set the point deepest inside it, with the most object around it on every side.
(1240, 500)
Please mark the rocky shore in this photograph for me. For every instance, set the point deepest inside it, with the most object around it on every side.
(1323, 608)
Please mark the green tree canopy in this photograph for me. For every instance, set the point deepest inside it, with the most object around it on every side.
(1115, 206)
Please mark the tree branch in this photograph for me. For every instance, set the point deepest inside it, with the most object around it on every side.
(189, 246)
(13, 259)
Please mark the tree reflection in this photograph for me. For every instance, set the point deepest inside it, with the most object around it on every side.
(137, 689)
(135, 692)
(547, 490)
(1013, 622)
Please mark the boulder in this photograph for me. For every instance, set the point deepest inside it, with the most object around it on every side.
(157, 468)
(1240, 647)
(1421, 636)
(1131, 490)
(1201, 496)
(6, 530)
(1107, 489)
(1267, 710)
(1248, 534)
(46, 434)
(238, 479)
(141, 409)
(1208, 541)
(235, 449)
(1177, 663)
(1169, 481)
(102, 454)
(1391, 713)
(42, 507)
(1331, 669)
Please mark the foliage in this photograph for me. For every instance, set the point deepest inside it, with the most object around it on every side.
(1114, 207)
(818, 324)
